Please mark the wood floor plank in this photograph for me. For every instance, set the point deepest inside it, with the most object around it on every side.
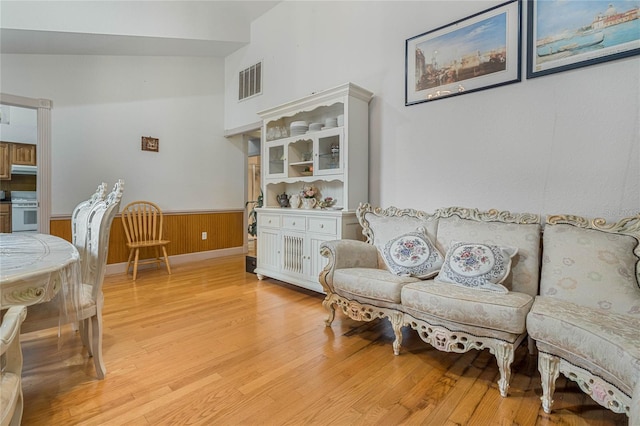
(212, 345)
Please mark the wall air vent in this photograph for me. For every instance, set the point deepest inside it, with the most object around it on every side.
(250, 82)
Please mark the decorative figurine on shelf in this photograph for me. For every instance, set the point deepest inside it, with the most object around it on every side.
(309, 194)
(283, 200)
(294, 201)
(335, 148)
(326, 203)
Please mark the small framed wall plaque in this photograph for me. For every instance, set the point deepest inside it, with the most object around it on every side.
(150, 144)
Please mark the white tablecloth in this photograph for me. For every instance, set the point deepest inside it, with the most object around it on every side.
(35, 267)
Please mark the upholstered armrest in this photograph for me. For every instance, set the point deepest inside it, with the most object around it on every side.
(346, 254)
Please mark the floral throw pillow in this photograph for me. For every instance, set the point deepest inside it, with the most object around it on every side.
(479, 266)
(412, 254)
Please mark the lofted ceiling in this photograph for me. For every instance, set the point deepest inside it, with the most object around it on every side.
(51, 37)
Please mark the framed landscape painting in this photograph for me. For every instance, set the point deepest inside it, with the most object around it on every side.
(568, 34)
(472, 54)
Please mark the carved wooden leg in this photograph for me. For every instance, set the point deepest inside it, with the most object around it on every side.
(397, 320)
(504, 353)
(548, 366)
(329, 306)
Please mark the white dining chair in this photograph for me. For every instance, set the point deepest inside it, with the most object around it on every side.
(11, 401)
(89, 298)
(79, 224)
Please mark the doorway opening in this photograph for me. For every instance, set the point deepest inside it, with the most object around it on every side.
(42, 157)
(254, 192)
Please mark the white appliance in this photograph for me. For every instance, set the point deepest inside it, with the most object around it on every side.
(17, 169)
(24, 211)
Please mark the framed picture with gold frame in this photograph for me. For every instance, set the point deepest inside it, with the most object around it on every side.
(475, 53)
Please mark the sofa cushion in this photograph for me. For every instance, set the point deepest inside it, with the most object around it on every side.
(597, 336)
(479, 266)
(526, 237)
(384, 228)
(371, 283)
(496, 311)
(412, 254)
(592, 268)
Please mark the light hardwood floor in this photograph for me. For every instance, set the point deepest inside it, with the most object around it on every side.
(212, 345)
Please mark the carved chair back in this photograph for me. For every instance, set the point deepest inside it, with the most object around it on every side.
(100, 219)
(79, 219)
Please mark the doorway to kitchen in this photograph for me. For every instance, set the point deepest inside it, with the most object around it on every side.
(42, 108)
(254, 192)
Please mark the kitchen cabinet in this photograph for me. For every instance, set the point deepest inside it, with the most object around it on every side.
(5, 161)
(332, 157)
(5, 217)
(289, 243)
(23, 154)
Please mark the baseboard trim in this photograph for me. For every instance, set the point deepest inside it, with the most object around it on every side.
(120, 268)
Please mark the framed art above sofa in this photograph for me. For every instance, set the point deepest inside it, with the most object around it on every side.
(564, 35)
(475, 53)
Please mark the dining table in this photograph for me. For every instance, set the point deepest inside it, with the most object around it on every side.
(35, 268)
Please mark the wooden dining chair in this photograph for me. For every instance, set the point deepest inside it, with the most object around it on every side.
(89, 298)
(143, 225)
(11, 401)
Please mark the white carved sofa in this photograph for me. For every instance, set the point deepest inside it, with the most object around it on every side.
(586, 320)
(450, 317)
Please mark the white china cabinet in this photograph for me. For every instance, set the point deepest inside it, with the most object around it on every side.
(332, 157)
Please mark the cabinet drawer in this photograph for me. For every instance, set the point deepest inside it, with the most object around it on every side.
(323, 225)
(293, 222)
(269, 220)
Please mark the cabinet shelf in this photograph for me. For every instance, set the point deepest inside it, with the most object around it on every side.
(302, 163)
(306, 136)
(319, 180)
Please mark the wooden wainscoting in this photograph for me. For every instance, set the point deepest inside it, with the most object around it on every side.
(225, 229)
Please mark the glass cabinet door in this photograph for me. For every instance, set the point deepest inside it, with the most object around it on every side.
(276, 166)
(330, 158)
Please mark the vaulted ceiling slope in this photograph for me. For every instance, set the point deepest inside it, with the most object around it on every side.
(121, 27)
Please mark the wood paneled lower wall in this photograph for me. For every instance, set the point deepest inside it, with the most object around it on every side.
(224, 230)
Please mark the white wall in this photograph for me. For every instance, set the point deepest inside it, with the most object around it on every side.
(564, 143)
(103, 105)
(200, 20)
(22, 125)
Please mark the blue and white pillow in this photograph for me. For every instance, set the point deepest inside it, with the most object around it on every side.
(479, 266)
(412, 254)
